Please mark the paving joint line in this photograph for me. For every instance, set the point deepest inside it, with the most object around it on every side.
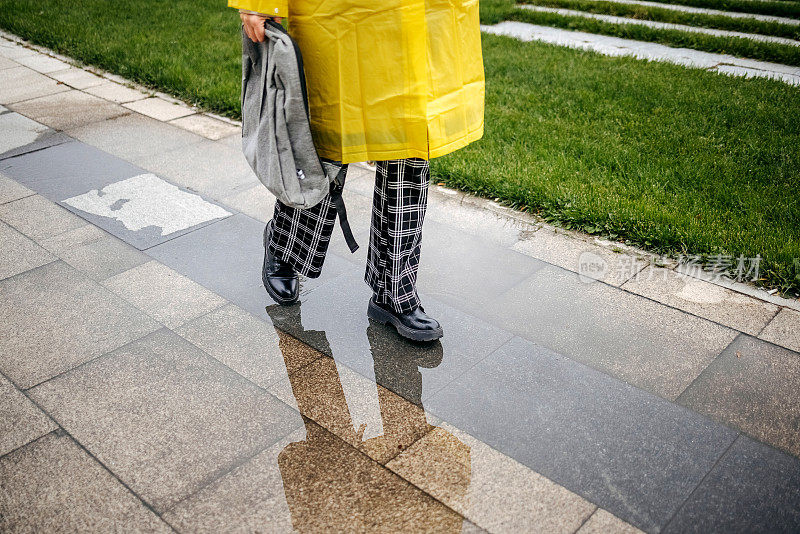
(694, 490)
(61, 428)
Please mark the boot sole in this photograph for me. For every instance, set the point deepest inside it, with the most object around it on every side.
(380, 315)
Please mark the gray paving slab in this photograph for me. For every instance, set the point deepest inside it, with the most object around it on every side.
(39, 218)
(602, 522)
(644, 343)
(244, 343)
(256, 202)
(52, 485)
(53, 318)
(77, 78)
(314, 483)
(133, 137)
(583, 256)
(489, 488)
(752, 386)
(167, 417)
(19, 253)
(702, 298)
(467, 271)
(632, 453)
(116, 92)
(784, 329)
(42, 63)
(17, 130)
(227, 258)
(206, 167)
(67, 169)
(44, 140)
(68, 109)
(22, 83)
(6, 63)
(164, 294)
(21, 421)
(104, 257)
(138, 207)
(160, 109)
(11, 190)
(206, 126)
(753, 488)
(333, 319)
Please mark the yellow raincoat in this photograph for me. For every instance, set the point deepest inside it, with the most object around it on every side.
(387, 79)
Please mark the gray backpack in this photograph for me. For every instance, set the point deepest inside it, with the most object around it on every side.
(276, 134)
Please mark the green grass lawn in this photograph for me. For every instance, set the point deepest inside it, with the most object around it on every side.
(671, 16)
(672, 159)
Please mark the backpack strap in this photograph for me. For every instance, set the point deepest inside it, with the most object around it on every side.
(337, 185)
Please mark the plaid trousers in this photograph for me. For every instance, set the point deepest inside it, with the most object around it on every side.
(301, 237)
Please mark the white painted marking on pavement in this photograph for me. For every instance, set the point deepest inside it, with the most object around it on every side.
(147, 200)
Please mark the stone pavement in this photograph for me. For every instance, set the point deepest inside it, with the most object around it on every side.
(148, 382)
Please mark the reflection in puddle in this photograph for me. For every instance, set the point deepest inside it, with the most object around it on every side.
(328, 482)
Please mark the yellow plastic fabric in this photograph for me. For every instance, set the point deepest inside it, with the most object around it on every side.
(388, 79)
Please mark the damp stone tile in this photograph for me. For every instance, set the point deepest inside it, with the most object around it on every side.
(11, 190)
(167, 417)
(703, 299)
(490, 489)
(54, 318)
(21, 421)
(753, 488)
(315, 483)
(52, 484)
(19, 253)
(159, 109)
(77, 78)
(17, 130)
(164, 294)
(355, 409)
(39, 218)
(21, 83)
(784, 329)
(69, 109)
(752, 385)
(116, 92)
(249, 346)
(644, 343)
(208, 127)
(134, 137)
(603, 522)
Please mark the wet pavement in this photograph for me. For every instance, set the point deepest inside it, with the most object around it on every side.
(147, 381)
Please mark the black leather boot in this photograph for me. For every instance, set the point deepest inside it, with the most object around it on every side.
(415, 325)
(280, 278)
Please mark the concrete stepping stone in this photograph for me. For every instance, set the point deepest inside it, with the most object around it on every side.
(662, 25)
(708, 11)
(616, 46)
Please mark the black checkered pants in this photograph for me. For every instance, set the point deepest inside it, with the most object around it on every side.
(301, 237)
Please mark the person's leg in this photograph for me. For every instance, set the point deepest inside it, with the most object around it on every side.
(300, 237)
(399, 203)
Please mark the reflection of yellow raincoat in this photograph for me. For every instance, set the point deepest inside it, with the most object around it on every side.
(387, 79)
